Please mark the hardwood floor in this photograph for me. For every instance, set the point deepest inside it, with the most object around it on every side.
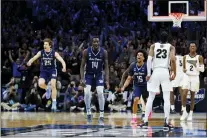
(74, 124)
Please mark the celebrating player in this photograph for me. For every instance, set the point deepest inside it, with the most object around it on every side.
(137, 71)
(161, 53)
(94, 58)
(48, 69)
(193, 65)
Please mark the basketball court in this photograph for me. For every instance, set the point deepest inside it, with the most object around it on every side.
(65, 124)
(43, 124)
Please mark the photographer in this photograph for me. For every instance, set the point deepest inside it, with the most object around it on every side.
(33, 99)
(74, 97)
(11, 101)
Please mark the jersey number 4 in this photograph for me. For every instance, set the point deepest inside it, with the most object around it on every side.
(94, 65)
(161, 53)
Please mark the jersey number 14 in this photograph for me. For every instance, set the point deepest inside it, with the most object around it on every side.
(94, 65)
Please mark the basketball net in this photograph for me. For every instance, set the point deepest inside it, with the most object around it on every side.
(177, 19)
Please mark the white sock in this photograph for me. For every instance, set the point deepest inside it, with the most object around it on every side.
(134, 116)
(101, 114)
(149, 105)
(172, 107)
(182, 108)
(166, 97)
(54, 100)
(191, 113)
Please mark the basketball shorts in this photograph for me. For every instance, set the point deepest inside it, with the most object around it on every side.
(191, 83)
(140, 90)
(47, 75)
(178, 81)
(160, 76)
(97, 80)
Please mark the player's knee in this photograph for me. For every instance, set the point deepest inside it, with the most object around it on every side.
(136, 99)
(53, 85)
(100, 90)
(41, 83)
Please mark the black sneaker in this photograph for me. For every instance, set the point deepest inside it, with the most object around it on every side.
(143, 125)
(173, 111)
(168, 127)
(181, 112)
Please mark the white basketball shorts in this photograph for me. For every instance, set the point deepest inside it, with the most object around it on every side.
(191, 83)
(160, 76)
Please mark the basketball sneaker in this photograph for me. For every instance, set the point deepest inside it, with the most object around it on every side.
(190, 117)
(173, 111)
(89, 119)
(184, 116)
(167, 126)
(134, 120)
(143, 125)
(101, 121)
(54, 106)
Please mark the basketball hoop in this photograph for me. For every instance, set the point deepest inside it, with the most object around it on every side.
(177, 19)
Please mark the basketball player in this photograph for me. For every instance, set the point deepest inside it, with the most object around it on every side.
(48, 69)
(94, 58)
(193, 65)
(162, 54)
(178, 81)
(137, 71)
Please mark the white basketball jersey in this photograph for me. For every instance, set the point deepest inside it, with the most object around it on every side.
(191, 70)
(179, 64)
(161, 55)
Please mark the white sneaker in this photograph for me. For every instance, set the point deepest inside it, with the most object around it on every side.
(184, 116)
(190, 117)
(72, 108)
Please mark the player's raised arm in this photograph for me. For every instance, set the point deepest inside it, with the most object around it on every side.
(58, 57)
(29, 63)
(124, 75)
(106, 65)
(173, 60)
(149, 60)
(201, 65)
(83, 63)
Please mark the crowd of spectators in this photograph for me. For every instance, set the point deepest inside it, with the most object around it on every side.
(123, 29)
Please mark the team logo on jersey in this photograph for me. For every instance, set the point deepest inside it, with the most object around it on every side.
(192, 61)
(199, 96)
(100, 81)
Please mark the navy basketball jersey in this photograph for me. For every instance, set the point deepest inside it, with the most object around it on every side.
(139, 74)
(95, 61)
(48, 60)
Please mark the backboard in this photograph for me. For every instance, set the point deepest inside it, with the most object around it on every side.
(194, 10)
